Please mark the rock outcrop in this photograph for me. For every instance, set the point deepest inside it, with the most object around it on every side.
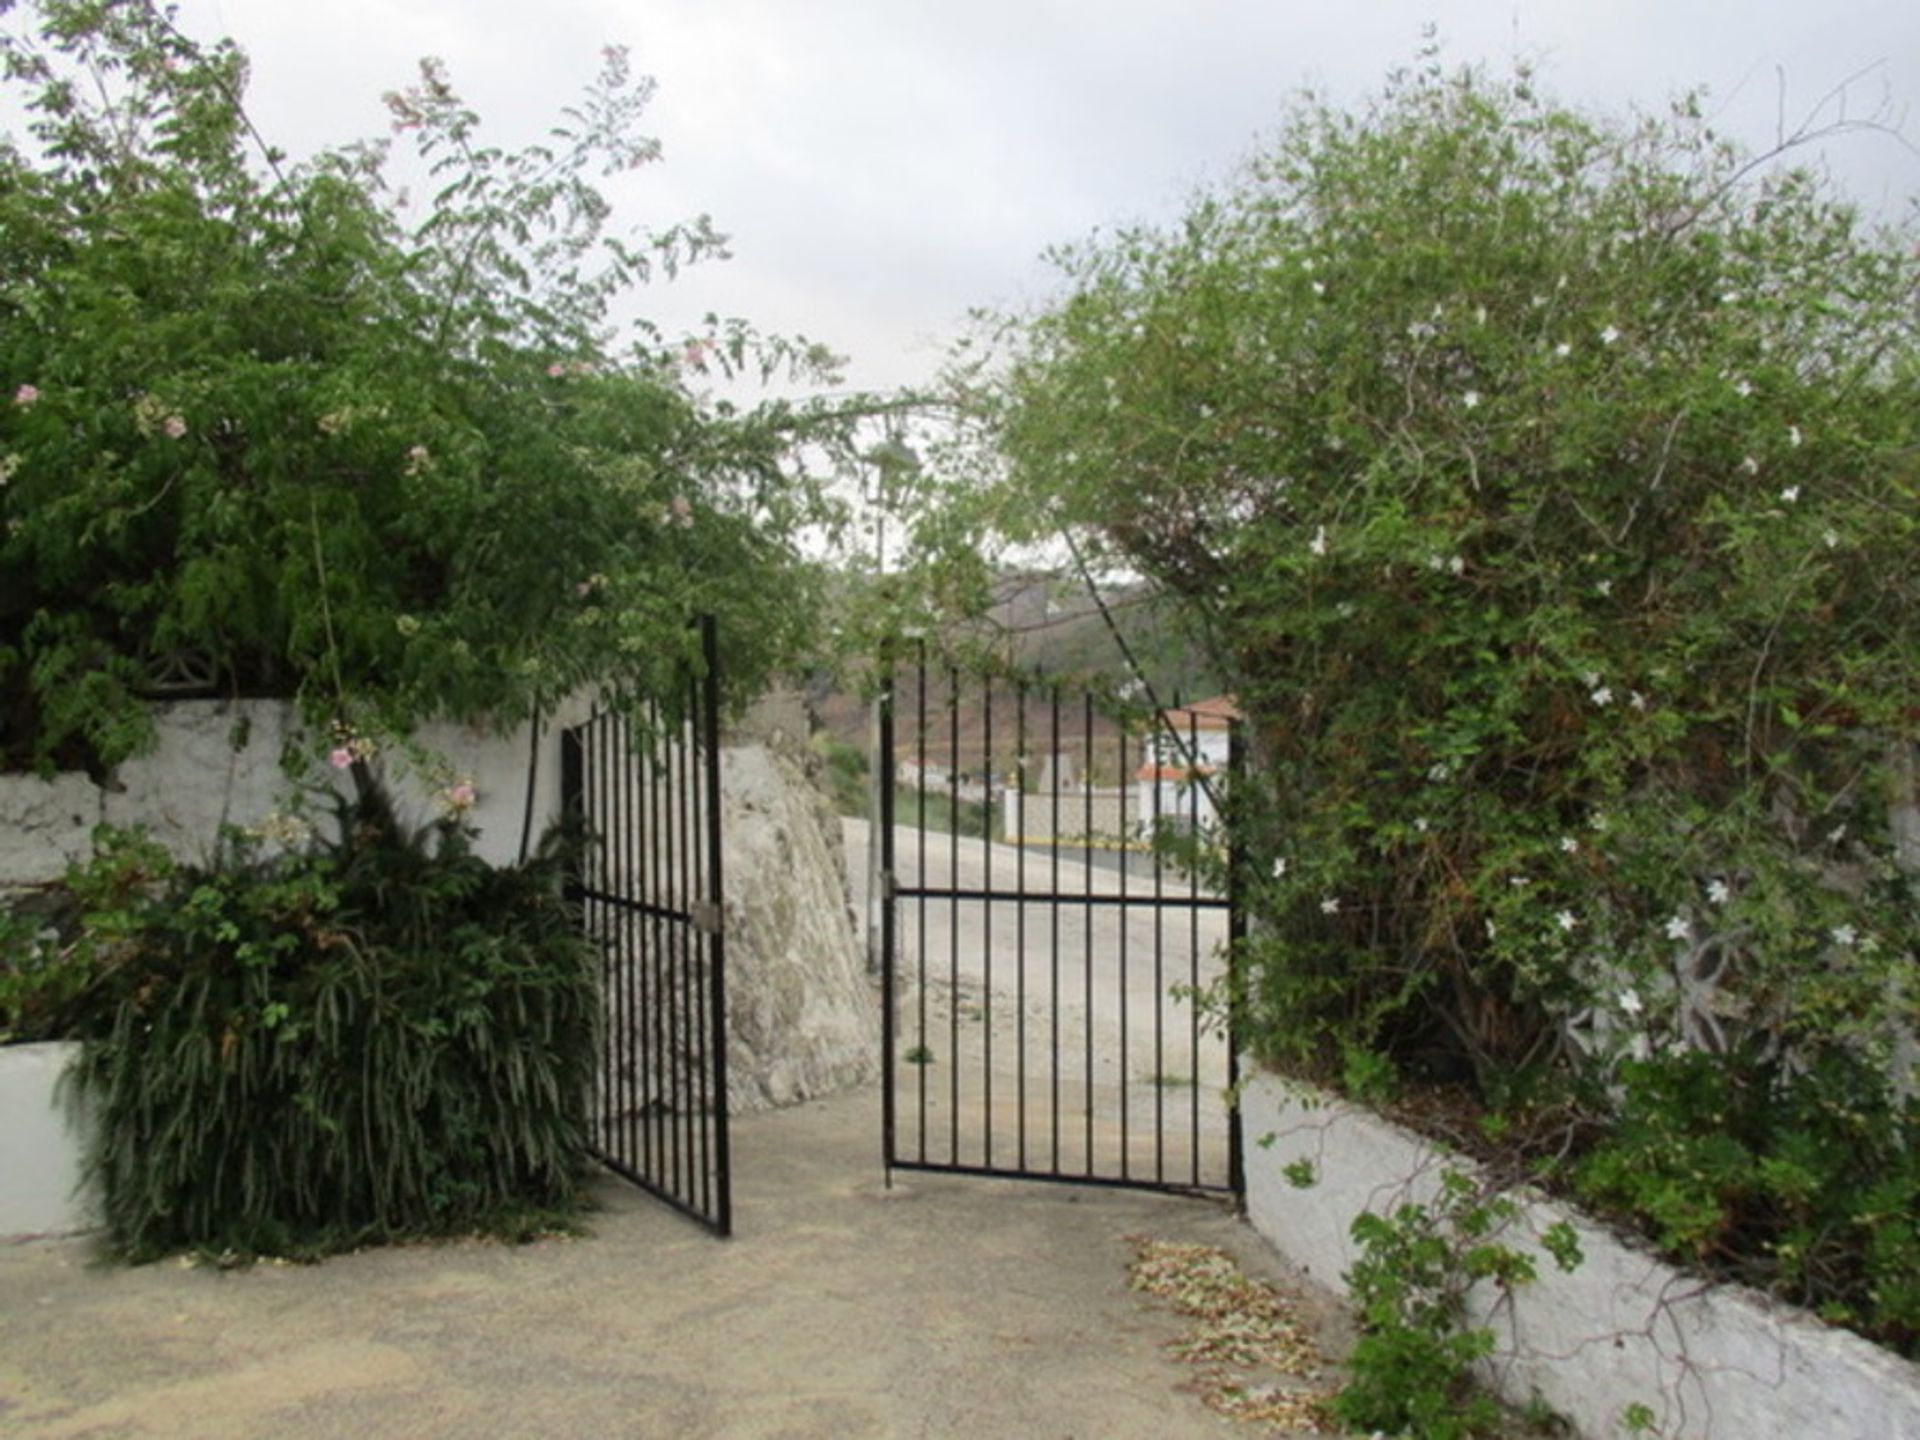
(803, 1019)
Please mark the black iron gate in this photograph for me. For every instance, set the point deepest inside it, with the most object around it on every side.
(646, 788)
(1043, 960)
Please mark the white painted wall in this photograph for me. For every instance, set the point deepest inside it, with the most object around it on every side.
(1713, 1362)
(219, 762)
(39, 1145)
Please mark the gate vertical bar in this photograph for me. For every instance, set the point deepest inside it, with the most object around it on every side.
(1236, 936)
(920, 878)
(883, 878)
(986, 917)
(717, 940)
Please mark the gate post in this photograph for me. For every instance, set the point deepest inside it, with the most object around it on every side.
(573, 814)
(880, 886)
(1236, 936)
(709, 697)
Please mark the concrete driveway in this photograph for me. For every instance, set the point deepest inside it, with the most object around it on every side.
(944, 1307)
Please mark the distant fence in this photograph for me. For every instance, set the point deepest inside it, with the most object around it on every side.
(1073, 815)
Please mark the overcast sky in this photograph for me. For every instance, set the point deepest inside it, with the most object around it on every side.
(882, 165)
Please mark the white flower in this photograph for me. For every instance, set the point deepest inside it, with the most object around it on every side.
(1605, 587)
(1844, 934)
(1589, 678)
(1518, 881)
(1470, 400)
(1790, 494)
(1439, 773)
(1630, 1002)
(1563, 350)
(1832, 537)
(1718, 892)
(1569, 845)
(1750, 465)
(1492, 930)
(1636, 699)
(1435, 562)
(1421, 823)
(1280, 867)
(1458, 565)
(1330, 905)
(1609, 335)
(1318, 288)
(1602, 697)
(1318, 545)
(1793, 436)
(1566, 920)
(1743, 388)
(1836, 835)
(1729, 297)
(1678, 929)
(1599, 820)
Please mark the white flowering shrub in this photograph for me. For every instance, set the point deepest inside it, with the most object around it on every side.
(1547, 486)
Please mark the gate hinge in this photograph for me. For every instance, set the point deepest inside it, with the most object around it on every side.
(705, 916)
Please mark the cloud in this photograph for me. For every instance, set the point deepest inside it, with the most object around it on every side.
(882, 167)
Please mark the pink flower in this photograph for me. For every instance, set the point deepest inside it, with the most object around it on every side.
(556, 370)
(695, 355)
(175, 427)
(461, 796)
(340, 758)
(26, 395)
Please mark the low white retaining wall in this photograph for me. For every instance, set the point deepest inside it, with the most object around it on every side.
(1712, 1362)
(39, 1145)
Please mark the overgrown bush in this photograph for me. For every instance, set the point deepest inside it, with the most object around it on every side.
(379, 1038)
(269, 428)
(1548, 488)
(1808, 1183)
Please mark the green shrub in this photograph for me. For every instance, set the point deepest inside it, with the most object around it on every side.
(1544, 484)
(385, 1037)
(49, 971)
(1411, 1371)
(1807, 1180)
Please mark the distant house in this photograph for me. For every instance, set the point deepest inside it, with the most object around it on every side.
(1189, 745)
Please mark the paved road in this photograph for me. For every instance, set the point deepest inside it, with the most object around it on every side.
(841, 1311)
(1049, 1034)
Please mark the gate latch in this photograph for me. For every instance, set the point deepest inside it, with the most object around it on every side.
(706, 916)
